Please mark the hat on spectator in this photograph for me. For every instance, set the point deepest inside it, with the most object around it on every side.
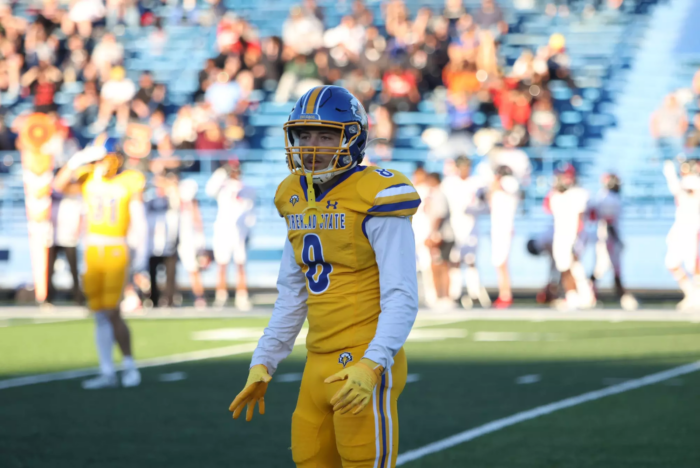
(117, 73)
(557, 41)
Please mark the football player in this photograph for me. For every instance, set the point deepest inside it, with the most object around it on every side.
(234, 220)
(503, 196)
(682, 239)
(465, 196)
(114, 201)
(191, 239)
(440, 240)
(421, 231)
(349, 266)
(568, 204)
(606, 209)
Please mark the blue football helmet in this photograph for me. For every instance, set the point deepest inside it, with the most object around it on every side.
(113, 154)
(330, 107)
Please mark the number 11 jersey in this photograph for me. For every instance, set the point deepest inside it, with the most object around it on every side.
(107, 201)
(335, 255)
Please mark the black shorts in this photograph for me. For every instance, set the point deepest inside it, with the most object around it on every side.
(442, 252)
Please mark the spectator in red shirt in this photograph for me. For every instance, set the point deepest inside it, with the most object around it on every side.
(43, 81)
(514, 109)
(228, 34)
(210, 137)
(400, 89)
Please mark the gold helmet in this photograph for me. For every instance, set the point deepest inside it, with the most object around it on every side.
(113, 155)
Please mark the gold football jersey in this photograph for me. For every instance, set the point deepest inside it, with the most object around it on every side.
(342, 277)
(107, 202)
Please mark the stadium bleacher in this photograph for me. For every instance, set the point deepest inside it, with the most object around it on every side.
(602, 50)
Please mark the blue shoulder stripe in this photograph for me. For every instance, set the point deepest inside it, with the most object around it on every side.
(395, 206)
(394, 186)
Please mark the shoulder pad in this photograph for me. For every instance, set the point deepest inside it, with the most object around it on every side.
(135, 181)
(387, 192)
(283, 194)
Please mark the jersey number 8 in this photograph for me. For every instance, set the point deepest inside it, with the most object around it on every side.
(318, 272)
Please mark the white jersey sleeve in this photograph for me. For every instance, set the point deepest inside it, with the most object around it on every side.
(216, 182)
(139, 229)
(394, 248)
(288, 314)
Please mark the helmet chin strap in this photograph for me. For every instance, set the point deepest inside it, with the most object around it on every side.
(311, 198)
(321, 179)
(311, 194)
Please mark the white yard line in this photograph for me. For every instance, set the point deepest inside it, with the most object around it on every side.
(153, 362)
(458, 315)
(499, 424)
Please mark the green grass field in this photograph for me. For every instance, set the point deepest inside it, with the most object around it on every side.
(465, 375)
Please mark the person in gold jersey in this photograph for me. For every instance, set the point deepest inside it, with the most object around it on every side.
(114, 202)
(349, 266)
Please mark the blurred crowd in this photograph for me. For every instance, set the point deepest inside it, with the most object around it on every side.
(390, 68)
(449, 61)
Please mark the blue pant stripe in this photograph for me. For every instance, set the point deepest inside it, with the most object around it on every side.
(381, 413)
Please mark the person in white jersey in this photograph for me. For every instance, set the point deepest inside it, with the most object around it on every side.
(465, 197)
(191, 239)
(606, 209)
(568, 204)
(506, 170)
(66, 219)
(421, 231)
(234, 220)
(504, 196)
(682, 239)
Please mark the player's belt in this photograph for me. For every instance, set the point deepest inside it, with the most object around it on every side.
(98, 239)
